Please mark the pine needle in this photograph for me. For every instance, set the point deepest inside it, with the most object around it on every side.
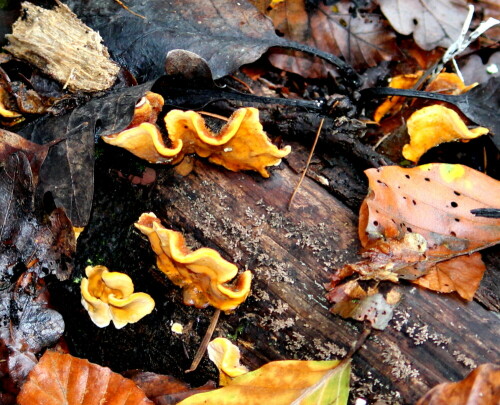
(318, 132)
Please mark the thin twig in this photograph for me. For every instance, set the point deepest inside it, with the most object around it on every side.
(129, 10)
(204, 343)
(307, 164)
(242, 83)
(213, 115)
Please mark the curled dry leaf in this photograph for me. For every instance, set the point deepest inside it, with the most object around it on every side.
(432, 22)
(202, 274)
(109, 296)
(352, 301)
(481, 386)
(240, 145)
(433, 125)
(462, 274)
(283, 383)
(60, 379)
(444, 83)
(363, 40)
(226, 356)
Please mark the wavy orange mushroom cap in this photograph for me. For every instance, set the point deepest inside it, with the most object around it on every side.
(241, 144)
(109, 296)
(202, 274)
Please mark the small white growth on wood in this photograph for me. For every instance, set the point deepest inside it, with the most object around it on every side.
(63, 47)
(466, 361)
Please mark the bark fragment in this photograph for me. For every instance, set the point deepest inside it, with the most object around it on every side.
(60, 45)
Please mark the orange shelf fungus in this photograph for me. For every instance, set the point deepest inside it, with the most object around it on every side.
(202, 274)
(446, 83)
(433, 125)
(109, 296)
(241, 144)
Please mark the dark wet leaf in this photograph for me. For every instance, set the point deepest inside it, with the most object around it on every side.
(189, 84)
(30, 248)
(36, 154)
(68, 171)
(480, 105)
(225, 34)
(27, 326)
(45, 244)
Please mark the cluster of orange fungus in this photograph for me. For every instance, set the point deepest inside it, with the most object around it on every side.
(445, 83)
(203, 274)
(109, 296)
(241, 144)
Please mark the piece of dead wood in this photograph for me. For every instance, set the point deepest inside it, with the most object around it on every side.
(60, 45)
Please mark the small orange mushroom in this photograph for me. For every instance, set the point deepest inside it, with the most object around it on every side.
(109, 296)
(226, 356)
(202, 274)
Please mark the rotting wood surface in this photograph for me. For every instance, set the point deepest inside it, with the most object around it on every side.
(432, 337)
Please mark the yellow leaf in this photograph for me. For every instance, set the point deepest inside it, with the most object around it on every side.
(284, 383)
(433, 125)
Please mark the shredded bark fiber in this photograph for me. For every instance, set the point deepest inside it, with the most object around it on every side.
(60, 45)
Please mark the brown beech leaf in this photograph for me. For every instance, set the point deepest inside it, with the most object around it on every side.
(36, 154)
(165, 389)
(363, 40)
(432, 22)
(63, 379)
(481, 386)
(450, 276)
(435, 201)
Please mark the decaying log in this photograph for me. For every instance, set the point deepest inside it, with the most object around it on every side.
(432, 337)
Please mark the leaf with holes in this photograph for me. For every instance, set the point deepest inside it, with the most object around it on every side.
(433, 22)
(63, 379)
(416, 224)
(434, 201)
(363, 40)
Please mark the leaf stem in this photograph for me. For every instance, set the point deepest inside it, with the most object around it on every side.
(344, 67)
